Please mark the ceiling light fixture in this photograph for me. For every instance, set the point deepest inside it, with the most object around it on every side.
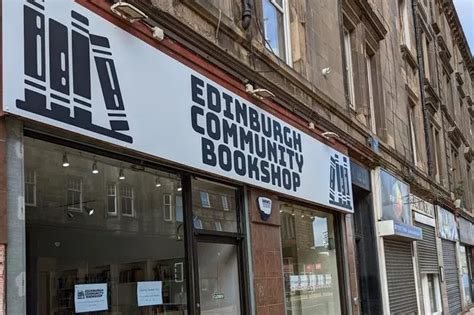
(179, 188)
(128, 12)
(121, 174)
(90, 211)
(95, 170)
(65, 160)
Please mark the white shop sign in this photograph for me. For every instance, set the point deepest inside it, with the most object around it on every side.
(68, 67)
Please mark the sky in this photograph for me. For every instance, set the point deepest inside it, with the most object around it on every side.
(465, 10)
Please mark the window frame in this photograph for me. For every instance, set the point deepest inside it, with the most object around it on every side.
(206, 201)
(349, 67)
(81, 194)
(132, 199)
(115, 213)
(370, 91)
(284, 10)
(27, 182)
(413, 135)
(169, 206)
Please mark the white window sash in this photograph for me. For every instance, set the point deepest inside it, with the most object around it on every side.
(371, 94)
(115, 198)
(349, 69)
(73, 189)
(167, 208)
(124, 194)
(29, 182)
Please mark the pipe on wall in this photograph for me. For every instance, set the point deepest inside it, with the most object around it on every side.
(247, 7)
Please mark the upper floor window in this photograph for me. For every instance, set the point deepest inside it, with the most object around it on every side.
(349, 68)
(371, 75)
(30, 188)
(74, 193)
(413, 135)
(112, 198)
(275, 24)
(404, 26)
(436, 154)
(126, 200)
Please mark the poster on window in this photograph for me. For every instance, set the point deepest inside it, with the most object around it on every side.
(395, 196)
(447, 226)
(149, 293)
(70, 68)
(90, 297)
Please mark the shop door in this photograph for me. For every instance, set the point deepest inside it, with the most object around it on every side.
(219, 280)
(218, 249)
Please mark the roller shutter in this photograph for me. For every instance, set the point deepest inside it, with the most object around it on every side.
(426, 249)
(400, 277)
(451, 277)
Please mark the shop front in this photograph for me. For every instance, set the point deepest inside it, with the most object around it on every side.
(427, 255)
(448, 232)
(145, 197)
(396, 236)
(466, 239)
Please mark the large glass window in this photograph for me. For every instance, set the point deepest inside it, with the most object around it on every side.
(99, 237)
(309, 261)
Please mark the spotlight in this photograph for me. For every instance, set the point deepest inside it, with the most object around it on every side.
(90, 211)
(128, 12)
(121, 174)
(258, 93)
(65, 160)
(329, 134)
(157, 182)
(179, 188)
(95, 170)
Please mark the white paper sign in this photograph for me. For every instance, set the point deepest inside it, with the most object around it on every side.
(66, 66)
(90, 297)
(149, 293)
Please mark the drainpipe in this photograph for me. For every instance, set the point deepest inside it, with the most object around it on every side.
(421, 74)
(247, 6)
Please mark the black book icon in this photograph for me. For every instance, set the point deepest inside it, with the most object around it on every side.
(66, 101)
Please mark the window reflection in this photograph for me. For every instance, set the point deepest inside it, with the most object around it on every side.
(309, 261)
(214, 207)
(100, 221)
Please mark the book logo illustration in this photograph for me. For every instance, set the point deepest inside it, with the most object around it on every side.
(81, 295)
(339, 189)
(58, 66)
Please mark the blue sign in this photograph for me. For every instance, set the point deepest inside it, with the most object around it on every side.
(406, 230)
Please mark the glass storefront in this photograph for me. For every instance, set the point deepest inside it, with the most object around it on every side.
(101, 235)
(309, 261)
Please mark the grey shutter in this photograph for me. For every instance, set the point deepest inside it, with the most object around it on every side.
(426, 249)
(451, 277)
(400, 277)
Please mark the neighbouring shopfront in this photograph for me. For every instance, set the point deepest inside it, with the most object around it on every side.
(448, 231)
(135, 193)
(427, 255)
(365, 242)
(397, 236)
(466, 239)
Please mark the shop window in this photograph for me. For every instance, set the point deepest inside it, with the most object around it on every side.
(349, 68)
(112, 199)
(275, 24)
(127, 200)
(70, 252)
(30, 188)
(310, 262)
(167, 208)
(74, 193)
(205, 199)
(213, 218)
